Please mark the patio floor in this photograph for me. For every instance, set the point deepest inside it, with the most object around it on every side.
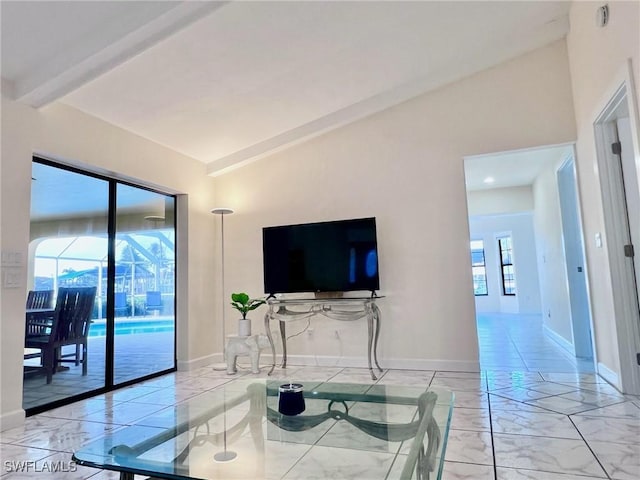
(136, 355)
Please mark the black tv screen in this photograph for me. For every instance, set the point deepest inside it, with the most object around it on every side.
(338, 256)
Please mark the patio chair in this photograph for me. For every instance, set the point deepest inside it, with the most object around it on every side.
(69, 325)
(120, 304)
(39, 299)
(154, 302)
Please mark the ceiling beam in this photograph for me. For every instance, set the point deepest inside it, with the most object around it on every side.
(38, 93)
(322, 125)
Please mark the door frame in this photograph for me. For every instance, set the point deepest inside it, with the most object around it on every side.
(109, 372)
(625, 296)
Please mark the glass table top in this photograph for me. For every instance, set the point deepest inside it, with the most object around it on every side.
(236, 431)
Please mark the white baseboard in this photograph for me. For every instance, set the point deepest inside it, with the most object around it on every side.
(560, 340)
(609, 375)
(335, 361)
(11, 419)
(395, 363)
(187, 365)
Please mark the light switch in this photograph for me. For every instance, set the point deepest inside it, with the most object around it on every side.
(598, 240)
(11, 259)
(12, 278)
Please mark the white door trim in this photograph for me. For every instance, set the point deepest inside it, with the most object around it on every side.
(625, 296)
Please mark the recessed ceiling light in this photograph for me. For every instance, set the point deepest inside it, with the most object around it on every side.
(489, 180)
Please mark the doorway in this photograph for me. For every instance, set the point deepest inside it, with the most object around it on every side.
(532, 325)
(116, 239)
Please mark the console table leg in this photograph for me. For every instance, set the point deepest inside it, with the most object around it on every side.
(273, 347)
(376, 314)
(283, 334)
(370, 343)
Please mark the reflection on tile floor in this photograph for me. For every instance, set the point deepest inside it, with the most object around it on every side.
(506, 425)
(510, 421)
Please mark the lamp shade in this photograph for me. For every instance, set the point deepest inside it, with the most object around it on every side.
(222, 211)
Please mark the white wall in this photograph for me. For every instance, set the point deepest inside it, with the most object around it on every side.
(520, 227)
(405, 167)
(62, 132)
(596, 56)
(554, 284)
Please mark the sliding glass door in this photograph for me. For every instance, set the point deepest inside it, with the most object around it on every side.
(145, 283)
(69, 247)
(115, 242)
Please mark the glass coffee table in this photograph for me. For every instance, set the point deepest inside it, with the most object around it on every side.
(236, 431)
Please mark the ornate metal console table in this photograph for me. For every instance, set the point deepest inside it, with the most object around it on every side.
(344, 309)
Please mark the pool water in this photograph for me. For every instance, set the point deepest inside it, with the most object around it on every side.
(99, 327)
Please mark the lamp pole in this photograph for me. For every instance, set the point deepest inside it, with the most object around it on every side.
(225, 455)
(222, 211)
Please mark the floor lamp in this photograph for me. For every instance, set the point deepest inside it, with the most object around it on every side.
(222, 211)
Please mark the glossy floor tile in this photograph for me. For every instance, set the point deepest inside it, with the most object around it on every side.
(506, 425)
(556, 455)
(557, 423)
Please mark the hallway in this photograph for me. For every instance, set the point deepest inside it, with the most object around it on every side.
(518, 342)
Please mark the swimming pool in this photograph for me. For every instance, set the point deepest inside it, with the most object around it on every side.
(99, 328)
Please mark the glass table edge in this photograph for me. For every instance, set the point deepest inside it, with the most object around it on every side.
(270, 385)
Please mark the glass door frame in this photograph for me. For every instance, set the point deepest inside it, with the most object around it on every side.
(109, 384)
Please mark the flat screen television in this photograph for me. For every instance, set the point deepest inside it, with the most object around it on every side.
(337, 256)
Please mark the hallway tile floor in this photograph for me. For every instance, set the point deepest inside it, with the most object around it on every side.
(518, 342)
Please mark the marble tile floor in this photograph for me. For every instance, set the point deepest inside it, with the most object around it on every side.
(507, 425)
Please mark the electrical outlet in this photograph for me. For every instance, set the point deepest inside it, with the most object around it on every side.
(337, 334)
(310, 332)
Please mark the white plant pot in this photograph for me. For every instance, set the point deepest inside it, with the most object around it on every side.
(244, 327)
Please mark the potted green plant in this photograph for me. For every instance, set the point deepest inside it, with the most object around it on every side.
(244, 304)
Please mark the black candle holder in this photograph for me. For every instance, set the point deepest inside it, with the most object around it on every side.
(291, 399)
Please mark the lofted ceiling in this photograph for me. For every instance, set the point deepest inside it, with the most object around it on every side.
(227, 83)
